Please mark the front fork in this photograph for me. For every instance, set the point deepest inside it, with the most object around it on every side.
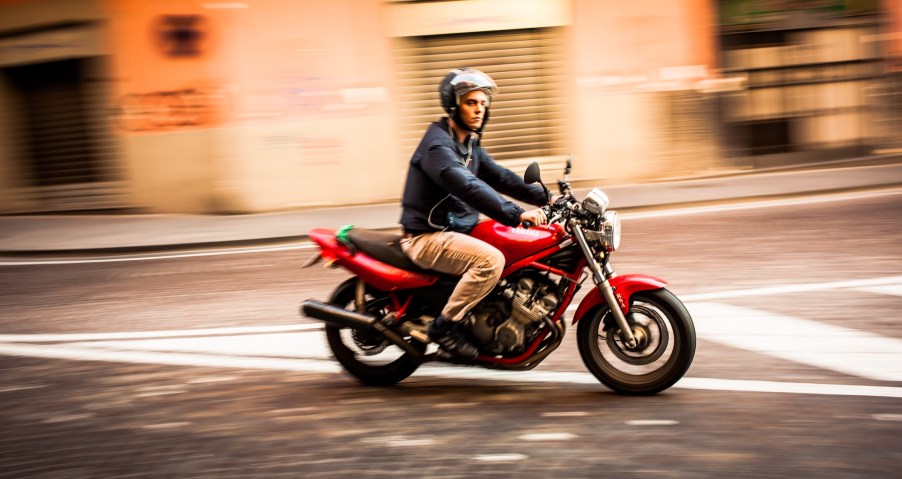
(600, 275)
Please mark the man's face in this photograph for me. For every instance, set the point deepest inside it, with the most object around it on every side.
(472, 108)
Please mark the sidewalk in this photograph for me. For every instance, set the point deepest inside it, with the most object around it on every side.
(42, 234)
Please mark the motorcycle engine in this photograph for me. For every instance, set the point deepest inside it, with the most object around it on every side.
(511, 318)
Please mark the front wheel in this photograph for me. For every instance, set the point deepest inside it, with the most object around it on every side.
(369, 356)
(666, 337)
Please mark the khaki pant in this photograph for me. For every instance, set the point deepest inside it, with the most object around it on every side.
(478, 263)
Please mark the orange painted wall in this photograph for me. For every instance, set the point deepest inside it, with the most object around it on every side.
(615, 36)
(894, 14)
(274, 59)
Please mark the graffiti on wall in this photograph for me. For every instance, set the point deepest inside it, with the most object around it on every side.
(181, 36)
(169, 110)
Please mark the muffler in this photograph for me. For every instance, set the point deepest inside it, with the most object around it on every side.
(342, 318)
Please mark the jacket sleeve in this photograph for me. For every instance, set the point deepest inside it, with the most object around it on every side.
(440, 163)
(507, 182)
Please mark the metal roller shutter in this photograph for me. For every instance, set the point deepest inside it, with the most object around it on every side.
(527, 121)
(68, 153)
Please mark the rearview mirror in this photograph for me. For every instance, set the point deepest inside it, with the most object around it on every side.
(532, 174)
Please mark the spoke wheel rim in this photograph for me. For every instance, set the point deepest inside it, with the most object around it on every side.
(650, 359)
(650, 330)
(369, 347)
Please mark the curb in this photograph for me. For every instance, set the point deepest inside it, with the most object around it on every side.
(301, 238)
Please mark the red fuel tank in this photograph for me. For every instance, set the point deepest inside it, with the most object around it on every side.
(518, 242)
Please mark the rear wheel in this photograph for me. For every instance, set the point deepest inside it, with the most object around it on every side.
(666, 337)
(368, 355)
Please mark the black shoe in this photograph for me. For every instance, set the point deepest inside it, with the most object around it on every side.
(447, 334)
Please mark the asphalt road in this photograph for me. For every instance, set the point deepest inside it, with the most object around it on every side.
(183, 364)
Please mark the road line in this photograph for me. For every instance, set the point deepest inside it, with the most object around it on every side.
(889, 289)
(549, 436)
(500, 457)
(796, 288)
(822, 345)
(890, 285)
(565, 414)
(810, 200)
(50, 338)
(307, 344)
(469, 374)
(152, 257)
(824, 198)
(652, 422)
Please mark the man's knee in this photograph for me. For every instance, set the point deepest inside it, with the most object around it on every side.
(493, 263)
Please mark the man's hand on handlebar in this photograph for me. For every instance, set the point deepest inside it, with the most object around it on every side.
(533, 217)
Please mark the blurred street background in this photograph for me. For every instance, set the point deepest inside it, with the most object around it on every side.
(161, 161)
(246, 107)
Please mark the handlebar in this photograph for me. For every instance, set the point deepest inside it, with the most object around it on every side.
(547, 209)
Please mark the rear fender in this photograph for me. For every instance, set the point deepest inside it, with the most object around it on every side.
(383, 277)
(624, 288)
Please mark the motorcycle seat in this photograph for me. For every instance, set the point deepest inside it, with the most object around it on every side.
(383, 246)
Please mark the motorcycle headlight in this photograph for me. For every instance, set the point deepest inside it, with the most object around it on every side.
(611, 228)
(609, 233)
(596, 202)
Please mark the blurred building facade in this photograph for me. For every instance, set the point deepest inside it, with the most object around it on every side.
(254, 106)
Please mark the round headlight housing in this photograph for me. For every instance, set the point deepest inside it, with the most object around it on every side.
(596, 202)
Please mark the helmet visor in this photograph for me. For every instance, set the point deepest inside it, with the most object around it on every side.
(473, 80)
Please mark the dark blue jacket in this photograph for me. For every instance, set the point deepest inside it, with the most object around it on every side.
(442, 192)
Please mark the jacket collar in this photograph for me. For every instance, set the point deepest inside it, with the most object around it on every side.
(460, 148)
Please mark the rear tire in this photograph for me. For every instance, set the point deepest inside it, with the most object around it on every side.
(669, 344)
(369, 357)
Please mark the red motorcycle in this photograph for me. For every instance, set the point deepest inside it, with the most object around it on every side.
(633, 334)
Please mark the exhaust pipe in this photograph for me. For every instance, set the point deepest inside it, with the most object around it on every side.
(342, 318)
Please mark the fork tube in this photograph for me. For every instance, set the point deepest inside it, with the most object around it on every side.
(604, 286)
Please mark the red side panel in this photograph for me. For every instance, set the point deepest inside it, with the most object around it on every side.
(624, 287)
(518, 243)
(376, 273)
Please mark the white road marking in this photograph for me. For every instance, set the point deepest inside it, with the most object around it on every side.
(889, 285)
(500, 457)
(281, 345)
(825, 198)
(155, 257)
(213, 379)
(888, 417)
(52, 338)
(742, 385)
(549, 436)
(301, 347)
(565, 414)
(809, 200)
(888, 281)
(400, 441)
(822, 345)
(9, 389)
(889, 289)
(331, 367)
(652, 422)
(69, 418)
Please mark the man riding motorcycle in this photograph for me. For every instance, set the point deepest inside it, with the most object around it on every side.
(451, 180)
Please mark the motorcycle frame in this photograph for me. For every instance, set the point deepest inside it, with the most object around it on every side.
(396, 282)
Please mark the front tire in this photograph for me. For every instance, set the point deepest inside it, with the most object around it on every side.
(663, 357)
(369, 357)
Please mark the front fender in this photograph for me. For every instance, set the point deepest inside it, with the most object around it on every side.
(624, 288)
